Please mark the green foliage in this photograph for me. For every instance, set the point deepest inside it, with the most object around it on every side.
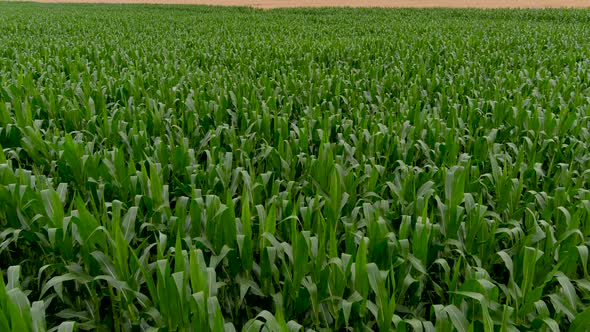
(202, 168)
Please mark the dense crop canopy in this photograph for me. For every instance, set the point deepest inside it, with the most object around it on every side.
(344, 169)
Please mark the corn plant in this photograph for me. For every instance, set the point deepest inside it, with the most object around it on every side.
(221, 169)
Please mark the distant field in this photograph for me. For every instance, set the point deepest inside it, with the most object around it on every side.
(360, 3)
(197, 168)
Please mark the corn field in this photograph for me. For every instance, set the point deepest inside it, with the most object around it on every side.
(170, 168)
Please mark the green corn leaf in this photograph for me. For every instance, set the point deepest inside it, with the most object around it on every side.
(361, 282)
(38, 316)
(457, 317)
(178, 254)
(581, 321)
(66, 327)
(247, 246)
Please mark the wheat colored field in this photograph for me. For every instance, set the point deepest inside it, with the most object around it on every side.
(361, 3)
